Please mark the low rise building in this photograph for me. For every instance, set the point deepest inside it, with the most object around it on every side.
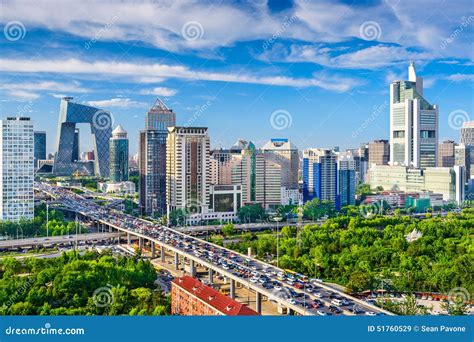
(190, 297)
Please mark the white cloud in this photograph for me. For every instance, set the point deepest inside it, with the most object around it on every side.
(117, 102)
(378, 56)
(22, 95)
(422, 23)
(122, 69)
(160, 91)
(461, 77)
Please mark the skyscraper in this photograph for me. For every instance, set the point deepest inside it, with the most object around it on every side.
(446, 154)
(467, 138)
(379, 152)
(284, 153)
(462, 157)
(320, 175)
(119, 155)
(152, 158)
(40, 147)
(346, 182)
(244, 173)
(16, 169)
(268, 180)
(413, 124)
(187, 169)
(67, 144)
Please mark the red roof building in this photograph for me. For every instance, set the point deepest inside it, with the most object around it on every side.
(190, 297)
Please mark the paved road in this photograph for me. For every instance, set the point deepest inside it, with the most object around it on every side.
(293, 292)
(4, 244)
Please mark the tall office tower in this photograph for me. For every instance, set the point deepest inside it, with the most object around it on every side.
(467, 138)
(346, 182)
(268, 180)
(40, 147)
(243, 172)
(446, 153)
(75, 146)
(70, 114)
(462, 157)
(320, 175)
(187, 169)
(16, 169)
(152, 159)
(284, 153)
(379, 152)
(413, 124)
(119, 155)
(222, 162)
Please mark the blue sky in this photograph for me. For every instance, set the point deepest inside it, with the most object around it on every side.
(317, 72)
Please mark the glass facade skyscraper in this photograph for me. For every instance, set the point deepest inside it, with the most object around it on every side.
(40, 147)
(119, 155)
(152, 158)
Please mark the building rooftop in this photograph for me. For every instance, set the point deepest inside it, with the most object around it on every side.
(225, 305)
(279, 144)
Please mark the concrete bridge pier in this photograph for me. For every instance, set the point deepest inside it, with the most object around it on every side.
(176, 261)
(153, 251)
(232, 289)
(140, 244)
(211, 276)
(129, 239)
(258, 302)
(192, 268)
(162, 253)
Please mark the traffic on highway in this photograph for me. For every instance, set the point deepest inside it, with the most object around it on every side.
(312, 296)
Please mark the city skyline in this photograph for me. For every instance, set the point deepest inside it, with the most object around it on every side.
(291, 69)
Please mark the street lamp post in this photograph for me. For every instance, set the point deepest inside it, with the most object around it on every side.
(47, 219)
(277, 219)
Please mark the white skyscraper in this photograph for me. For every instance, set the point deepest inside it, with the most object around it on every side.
(16, 169)
(413, 124)
(188, 177)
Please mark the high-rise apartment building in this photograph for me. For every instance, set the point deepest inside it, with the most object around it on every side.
(119, 155)
(413, 124)
(446, 154)
(187, 169)
(268, 180)
(40, 147)
(320, 175)
(152, 158)
(379, 152)
(16, 169)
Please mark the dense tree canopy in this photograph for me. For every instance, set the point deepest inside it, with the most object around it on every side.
(358, 252)
(75, 284)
